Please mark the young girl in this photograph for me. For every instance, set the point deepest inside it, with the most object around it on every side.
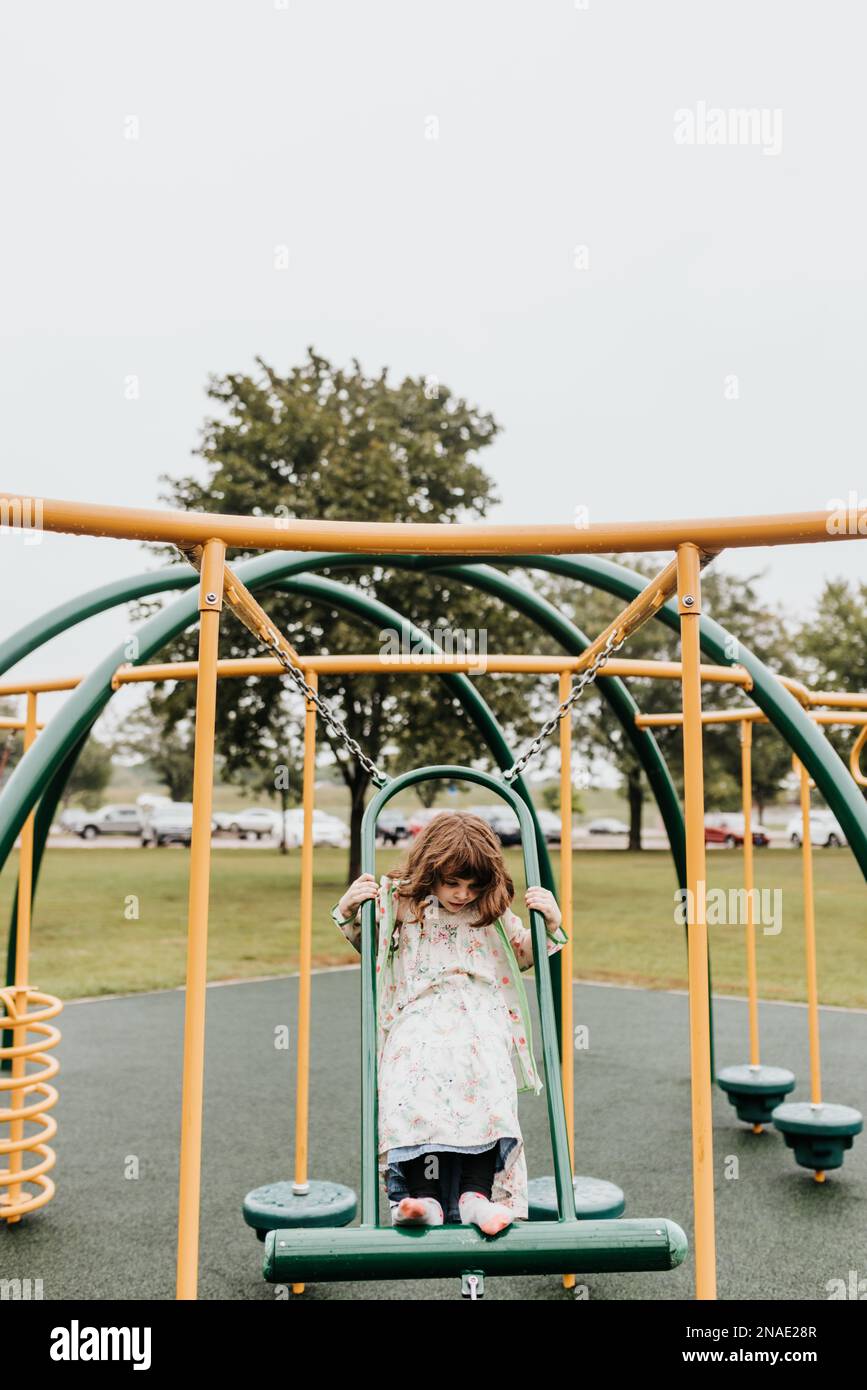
(452, 1014)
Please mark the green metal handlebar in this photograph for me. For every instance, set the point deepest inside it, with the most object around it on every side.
(544, 987)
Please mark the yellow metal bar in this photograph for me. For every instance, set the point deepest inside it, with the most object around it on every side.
(810, 940)
(567, 1048)
(746, 732)
(752, 715)
(487, 663)
(210, 604)
(22, 969)
(635, 614)
(724, 716)
(23, 687)
(855, 758)
(186, 529)
(689, 607)
(16, 724)
(245, 608)
(33, 1112)
(796, 688)
(843, 699)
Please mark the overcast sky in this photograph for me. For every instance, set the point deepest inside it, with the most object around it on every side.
(553, 208)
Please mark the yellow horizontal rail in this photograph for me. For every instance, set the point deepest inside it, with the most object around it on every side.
(187, 529)
(358, 663)
(752, 715)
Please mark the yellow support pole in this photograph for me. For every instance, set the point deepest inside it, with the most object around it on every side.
(302, 1094)
(22, 967)
(210, 604)
(746, 732)
(566, 957)
(689, 608)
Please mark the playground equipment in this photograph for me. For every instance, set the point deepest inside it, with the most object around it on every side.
(287, 1243)
(369, 1251)
(819, 1133)
(692, 541)
(27, 1011)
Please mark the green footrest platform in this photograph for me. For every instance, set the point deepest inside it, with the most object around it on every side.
(819, 1134)
(756, 1091)
(431, 1252)
(277, 1206)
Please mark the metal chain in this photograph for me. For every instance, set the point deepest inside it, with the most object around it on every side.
(586, 678)
(380, 778)
(337, 728)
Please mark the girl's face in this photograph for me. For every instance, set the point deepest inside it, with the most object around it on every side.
(455, 893)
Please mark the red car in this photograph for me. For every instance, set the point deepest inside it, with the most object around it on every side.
(732, 839)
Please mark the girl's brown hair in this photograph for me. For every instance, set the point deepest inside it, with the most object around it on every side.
(455, 844)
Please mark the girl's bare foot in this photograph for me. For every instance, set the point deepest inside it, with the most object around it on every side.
(477, 1210)
(416, 1211)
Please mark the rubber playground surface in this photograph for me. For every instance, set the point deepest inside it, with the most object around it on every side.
(109, 1235)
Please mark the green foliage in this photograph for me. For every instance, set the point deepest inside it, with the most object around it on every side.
(90, 776)
(551, 798)
(833, 642)
(324, 442)
(164, 743)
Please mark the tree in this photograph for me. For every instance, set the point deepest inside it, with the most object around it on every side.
(90, 775)
(551, 798)
(326, 442)
(11, 742)
(833, 640)
(166, 744)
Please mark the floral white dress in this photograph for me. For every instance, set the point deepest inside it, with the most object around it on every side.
(449, 1024)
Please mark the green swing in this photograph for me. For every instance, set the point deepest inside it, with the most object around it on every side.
(564, 1245)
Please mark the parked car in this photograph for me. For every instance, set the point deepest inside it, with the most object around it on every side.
(110, 820)
(327, 829)
(825, 829)
(72, 820)
(167, 825)
(727, 828)
(392, 827)
(252, 821)
(733, 839)
(607, 825)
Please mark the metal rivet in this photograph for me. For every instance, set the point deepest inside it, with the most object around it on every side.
(688, 600)
(212, 598)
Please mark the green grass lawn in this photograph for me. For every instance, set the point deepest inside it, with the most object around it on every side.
(624, 927)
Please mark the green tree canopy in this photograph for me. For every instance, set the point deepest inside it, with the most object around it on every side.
(327, 442)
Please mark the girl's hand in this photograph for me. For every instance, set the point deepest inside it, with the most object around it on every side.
(358, 892)
(542, 900)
